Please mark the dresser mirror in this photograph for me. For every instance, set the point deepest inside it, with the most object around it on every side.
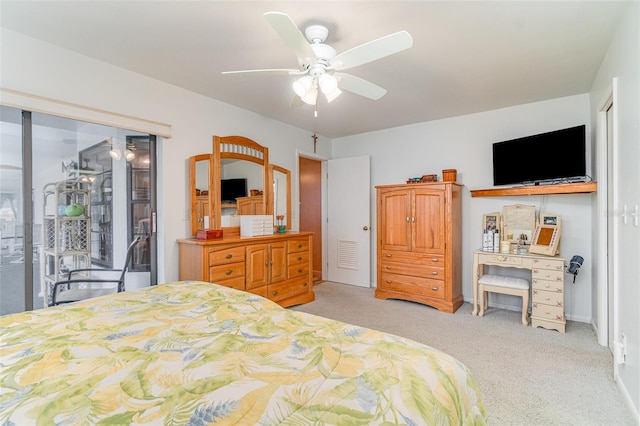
(280, 195)
(200, 185)
(240, 170)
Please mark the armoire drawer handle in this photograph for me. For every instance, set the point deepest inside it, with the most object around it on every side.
(305, 284)
(388, 267)
(229, 256)
(299, 270)
(388, 254)
(434, 273)
(229, 272)
(300, 258)
(388, 281)
(435, 259)
(299, 245)
(434, 288)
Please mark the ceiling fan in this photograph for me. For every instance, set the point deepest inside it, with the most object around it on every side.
(319, 63)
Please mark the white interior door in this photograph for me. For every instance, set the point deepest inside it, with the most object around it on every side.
(349, 217)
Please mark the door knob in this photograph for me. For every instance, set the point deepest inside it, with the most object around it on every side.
(365, 228)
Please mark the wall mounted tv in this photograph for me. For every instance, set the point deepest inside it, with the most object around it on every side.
(553, 157)
(231, 189)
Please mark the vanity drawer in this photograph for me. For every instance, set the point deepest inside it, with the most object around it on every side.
(235, 283)
(551, 264)
(225, 256)
(545, 285)
(414, 285)
(547, 275)
(415, 258)
(288, 289)
(417, 269)
(297, 258)
(225, 272)
(500, 259)
(295, 246)
(551, 298)
(539, 310)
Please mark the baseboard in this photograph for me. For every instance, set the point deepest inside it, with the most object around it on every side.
(576, 318)
(627, 399)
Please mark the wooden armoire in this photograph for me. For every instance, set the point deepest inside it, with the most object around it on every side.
(419, 244)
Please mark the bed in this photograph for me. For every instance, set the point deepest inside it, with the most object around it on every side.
(198, 353)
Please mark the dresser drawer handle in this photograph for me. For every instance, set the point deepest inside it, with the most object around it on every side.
(435, 259)
(229, 256)
(434, 273)
(305, 284)
(299, 245)
(229, 272)
(388, 267)
(388, 281)
(434, 288)
(388, 254)
(299, 270)
(300, 258)
(275, 293)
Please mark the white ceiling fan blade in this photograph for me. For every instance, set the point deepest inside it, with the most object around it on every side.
(359, 86)
(373, 50)
(292, 36)
(267, 72)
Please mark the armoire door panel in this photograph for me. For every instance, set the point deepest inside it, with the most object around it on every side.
(428, 231)
(396, 210)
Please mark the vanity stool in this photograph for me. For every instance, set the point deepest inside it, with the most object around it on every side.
(504, 285)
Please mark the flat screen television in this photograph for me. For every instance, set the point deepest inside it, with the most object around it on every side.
(553, 157)
(231, 189)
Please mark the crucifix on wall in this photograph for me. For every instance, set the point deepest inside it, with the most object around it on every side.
(315, 140)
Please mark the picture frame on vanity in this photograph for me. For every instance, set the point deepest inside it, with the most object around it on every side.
(491, 222)
(546, 239)
(550, 219)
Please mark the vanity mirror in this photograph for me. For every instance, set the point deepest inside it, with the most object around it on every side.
(240, 170)
(281, 195)
(200, 185)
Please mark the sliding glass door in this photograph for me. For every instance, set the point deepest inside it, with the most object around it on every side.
(62, 150)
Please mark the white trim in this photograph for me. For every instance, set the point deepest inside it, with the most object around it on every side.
(602, 313)
(35, 103)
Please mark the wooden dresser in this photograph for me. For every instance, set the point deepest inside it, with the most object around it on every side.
(419, 244)
(277, 266)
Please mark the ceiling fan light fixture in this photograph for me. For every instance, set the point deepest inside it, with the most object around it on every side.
(333, 95)
(302, 85)
(328, 83)
(311, 96)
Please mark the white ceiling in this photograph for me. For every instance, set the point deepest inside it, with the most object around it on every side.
(467, 56)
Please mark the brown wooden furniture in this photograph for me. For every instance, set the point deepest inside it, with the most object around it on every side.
(563, 188)
(419, 244)
(277, 266)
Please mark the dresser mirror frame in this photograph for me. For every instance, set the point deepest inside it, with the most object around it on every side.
(242, 149)
(201, 179)
(281, 205)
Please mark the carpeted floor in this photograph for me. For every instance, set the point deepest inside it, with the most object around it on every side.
(526, 376)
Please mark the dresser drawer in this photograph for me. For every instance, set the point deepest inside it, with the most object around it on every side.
(295, 246)
(225, 272)
(408, 257)
(224, 256)
(555, 313)
(298, 270)
(545, 285)
(413, 285)
(260, 291)
(416, 269)
(547, 275)
(288, 289)
(235, 283)
(551, 264)
(298, 258)
(551, 298)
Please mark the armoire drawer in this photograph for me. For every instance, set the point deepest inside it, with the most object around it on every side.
(414, 285)
(411, 257)
(416, 269)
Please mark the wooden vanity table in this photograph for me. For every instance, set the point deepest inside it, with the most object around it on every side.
(276, 266)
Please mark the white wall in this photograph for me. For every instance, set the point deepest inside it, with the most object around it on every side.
(465, 143)
(623, 63)
(38, 68)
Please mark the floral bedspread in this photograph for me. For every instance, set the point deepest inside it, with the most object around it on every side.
(197, 353)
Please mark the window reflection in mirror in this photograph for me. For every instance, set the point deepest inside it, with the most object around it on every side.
(200, 187)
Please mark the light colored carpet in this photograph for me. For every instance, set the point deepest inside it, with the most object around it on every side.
(526, 376)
